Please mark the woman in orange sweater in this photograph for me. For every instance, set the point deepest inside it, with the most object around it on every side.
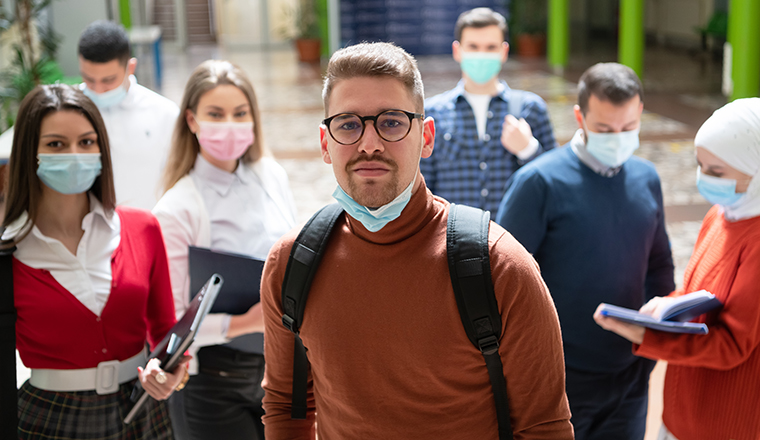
(712, 385)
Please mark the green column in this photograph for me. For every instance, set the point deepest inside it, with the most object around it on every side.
(125, 14)
(324, 29)
(558, 33)
(744, 36)
(631, 40)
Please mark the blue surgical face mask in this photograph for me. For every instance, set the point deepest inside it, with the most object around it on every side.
(717, 190)
(374, 219)
(481, 67)
(107, 99)
(69, 173)
(612, 149)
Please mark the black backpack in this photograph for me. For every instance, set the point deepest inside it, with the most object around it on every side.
(469, 266)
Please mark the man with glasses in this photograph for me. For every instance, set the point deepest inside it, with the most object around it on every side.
(389, 357)
(485, 130)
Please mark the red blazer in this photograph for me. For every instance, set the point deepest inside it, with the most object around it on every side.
(54, 330)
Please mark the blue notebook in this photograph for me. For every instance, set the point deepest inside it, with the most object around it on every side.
(675, 317)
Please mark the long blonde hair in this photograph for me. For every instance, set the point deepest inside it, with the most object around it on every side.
(185, 146)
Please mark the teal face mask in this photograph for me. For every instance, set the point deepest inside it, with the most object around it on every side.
(374, 219)
(69, 173)
(612, 149)
(716, 190)
(481, 67)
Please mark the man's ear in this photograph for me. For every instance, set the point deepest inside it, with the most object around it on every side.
(578, 116)
(323, 134)
(131, 65)
(456, 51)
(504, 52)
(428, 137)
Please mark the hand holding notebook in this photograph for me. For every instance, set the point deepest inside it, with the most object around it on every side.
(670, 317)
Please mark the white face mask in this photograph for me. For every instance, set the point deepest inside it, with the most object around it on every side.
(612, 149)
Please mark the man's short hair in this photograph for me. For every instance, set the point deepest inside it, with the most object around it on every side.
(480, 18)
(103, 41)
(610, 82)
(375, 60)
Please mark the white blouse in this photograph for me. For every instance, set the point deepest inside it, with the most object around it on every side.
(245, 219)
(86, 275)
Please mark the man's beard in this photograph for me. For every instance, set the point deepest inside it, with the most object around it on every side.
(373, 194)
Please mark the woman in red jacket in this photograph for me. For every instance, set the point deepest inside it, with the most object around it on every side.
(90, 280)
(712, 385)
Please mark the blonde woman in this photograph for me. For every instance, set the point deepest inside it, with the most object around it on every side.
(227, 195)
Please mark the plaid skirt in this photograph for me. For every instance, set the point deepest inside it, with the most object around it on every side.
(51, 415)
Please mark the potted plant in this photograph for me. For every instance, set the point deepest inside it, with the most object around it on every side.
(527, 27)
(307, 33)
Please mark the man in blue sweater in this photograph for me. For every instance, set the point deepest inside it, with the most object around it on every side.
(592, 216)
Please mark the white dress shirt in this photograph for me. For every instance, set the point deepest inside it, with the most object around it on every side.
(139, 131)
(86, 275)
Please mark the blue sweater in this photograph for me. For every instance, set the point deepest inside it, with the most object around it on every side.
(597, 239)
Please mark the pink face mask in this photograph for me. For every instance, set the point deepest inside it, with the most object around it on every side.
(225, 140)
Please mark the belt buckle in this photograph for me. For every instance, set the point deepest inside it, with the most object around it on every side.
(107, 377)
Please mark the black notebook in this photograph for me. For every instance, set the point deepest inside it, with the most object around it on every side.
(242, 281)
(170, 350)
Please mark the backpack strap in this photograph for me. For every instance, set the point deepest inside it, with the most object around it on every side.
(516, 98)
(8, 391)
(305, 256)
(470, 270)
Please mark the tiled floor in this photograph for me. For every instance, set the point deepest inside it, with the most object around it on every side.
(681, 93)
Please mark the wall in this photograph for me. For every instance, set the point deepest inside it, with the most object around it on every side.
(673, 22)
(69, 18)
(254, 23)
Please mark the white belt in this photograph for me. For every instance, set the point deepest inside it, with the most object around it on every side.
(104, 379)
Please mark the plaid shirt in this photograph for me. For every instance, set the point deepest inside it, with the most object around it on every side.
(467, 170)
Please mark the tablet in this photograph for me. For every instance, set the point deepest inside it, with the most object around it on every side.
(170, 350)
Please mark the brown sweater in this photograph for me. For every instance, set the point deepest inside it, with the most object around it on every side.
(389, 356)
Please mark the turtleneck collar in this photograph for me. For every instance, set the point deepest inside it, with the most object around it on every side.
(415, 216)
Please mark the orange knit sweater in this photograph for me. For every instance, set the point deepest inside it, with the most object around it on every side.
(712, 384)
(389, 356)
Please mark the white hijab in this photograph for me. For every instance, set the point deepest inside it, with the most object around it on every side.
(733, 134)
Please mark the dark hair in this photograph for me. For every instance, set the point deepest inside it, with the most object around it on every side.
(24, 189)
(610, 82)
(103, 41)
(480, 18)
(185, 146)
(375, 60)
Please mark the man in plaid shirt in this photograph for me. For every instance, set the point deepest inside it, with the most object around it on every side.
(485, 131)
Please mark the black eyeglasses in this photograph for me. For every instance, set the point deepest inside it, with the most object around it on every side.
(390, 125)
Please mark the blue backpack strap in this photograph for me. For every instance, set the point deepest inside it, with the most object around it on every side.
(305, 256)
(516, 98)
(470, 270)
(8, 391)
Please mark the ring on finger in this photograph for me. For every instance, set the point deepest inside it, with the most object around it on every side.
(161, 377)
